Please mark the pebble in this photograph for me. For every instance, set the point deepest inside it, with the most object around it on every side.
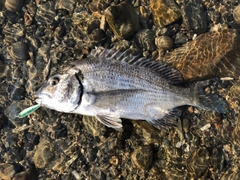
(7, 171)
(12, 112)
(122, 19)
(46, 13)
(44, 154)
(65, 4)
(164, 43)
(142, 157)
(146, 39)
(236, 14)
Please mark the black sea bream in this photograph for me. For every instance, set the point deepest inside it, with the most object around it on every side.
(111, 85)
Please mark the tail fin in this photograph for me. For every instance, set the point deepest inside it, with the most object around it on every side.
(208, 101)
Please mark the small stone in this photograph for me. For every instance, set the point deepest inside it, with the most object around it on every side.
(142, 157)
(12, 113)
(164, 12)
(236, 14)
(20, 176)
(194, 16)
(180, 38)
(122, 19)
(46, 13)
(65, 4)
(146, 39)
(206, 127)
(164, 43)
(4, 69)
(7, 171)
(44, 154)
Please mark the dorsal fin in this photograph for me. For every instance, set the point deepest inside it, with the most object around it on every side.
(159, 67)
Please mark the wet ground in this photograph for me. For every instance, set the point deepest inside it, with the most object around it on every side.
(40, 37)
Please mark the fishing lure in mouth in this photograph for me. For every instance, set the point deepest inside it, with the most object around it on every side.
(28, 111)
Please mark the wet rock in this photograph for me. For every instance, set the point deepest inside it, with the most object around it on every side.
(180, 38)
(96, 173)
(146, 39)
(144, 16)
(236, 14)
(97, 7)
(142, 157)
(91, 154)
(16, 90)
(13, 32)
(150, 134)
(67, 5)
(122, 19)
(97, 37)
(44, 154)
(19, 51)
(13, 5)
(222, 57)
(93, 126)
(217, 159)
(4, 69)
(194, 16)
(164, 12)
(232, 173)
(12, 113)
(7, 171)
(83, 24)
(27, 19)
(46, 13)
(164, 43)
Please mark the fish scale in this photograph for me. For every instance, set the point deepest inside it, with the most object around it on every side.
(111, 85)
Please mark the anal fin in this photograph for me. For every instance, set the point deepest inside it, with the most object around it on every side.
(110, 120)
(169, 121)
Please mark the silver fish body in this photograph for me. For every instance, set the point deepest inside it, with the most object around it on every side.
(112, 85)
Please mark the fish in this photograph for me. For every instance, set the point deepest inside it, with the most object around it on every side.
(111, 85)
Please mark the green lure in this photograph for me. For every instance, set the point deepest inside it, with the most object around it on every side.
(28, 111)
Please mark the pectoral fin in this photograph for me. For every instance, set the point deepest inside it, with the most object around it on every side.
(110, 120)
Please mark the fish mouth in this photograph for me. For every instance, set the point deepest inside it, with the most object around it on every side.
(39, 96)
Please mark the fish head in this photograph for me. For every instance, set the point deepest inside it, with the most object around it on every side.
(61, 93)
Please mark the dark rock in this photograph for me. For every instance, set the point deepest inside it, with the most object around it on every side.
(46, 13)
(122, 19)
(65, 4)
(194, 16)
(180, 38)
(12, 113)
(146, 38)
(12, 32)
(198, 163)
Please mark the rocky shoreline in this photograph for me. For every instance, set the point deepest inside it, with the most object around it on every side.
(40, 37)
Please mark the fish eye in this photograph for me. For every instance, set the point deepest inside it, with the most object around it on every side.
(54, 81)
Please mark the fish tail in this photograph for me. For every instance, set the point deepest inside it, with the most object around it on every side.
(208, 101)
